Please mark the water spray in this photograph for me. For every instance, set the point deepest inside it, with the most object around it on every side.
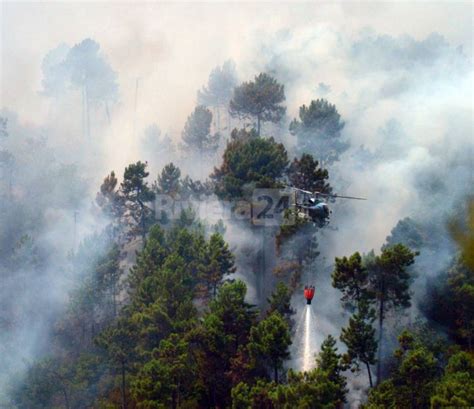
(305, 334)
(307, 355)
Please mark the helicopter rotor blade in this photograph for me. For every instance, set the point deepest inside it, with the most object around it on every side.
(328, 194)
(339, 196)
(302, 190)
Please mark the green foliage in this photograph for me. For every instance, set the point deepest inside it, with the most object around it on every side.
(220, 85)
(456, 387)
(166, 379)
(409, 233)
(155, 145)
(257, 396)
(461, 285)
(111, 203)
(462, 231)
(280, 301)
(94, 301)
(323, 387)
(220, 262)
(297, 243)
(168, 182)
(305, 174)
(248, 164)
(269, 342)
(319, 131)
(359, 337)
(390, 280)
(136, 193)
(413, 377)
(451, 302)
(390, 277)
(351, 277)
(331, 364)
(150, 258)
(381, 280)
(197, 131)
(234, 312)
(260, 99)
(221, 340)
(43, 382)
(83, 66)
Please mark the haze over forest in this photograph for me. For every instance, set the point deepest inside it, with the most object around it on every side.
(108, 302)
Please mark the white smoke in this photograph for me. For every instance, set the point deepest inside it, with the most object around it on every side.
(399, 73)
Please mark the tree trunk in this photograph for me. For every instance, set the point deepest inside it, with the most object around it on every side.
(261, 272)
(173, 400)
(124, 403)
(213, 395)
(143, 225)
(370, 374)
(178, 395)
(380, 341)
(114, 299)
(142, 220)
(66, 397)
(275, 372)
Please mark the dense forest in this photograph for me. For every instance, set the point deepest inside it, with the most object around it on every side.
(157, 288)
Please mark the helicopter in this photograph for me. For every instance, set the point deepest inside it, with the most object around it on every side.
(313, 205)
(269, 206)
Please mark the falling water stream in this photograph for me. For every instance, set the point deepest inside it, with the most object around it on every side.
(305, 340)
(307, 350)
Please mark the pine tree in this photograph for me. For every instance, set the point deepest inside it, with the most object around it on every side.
(414, 374)
(305, 173)
(249, 163)
(224, 333)
(460, 282)
(110, 201)
(270, 340)
(390, 281)
(167, 376)
(351, 277)
(329, 361)
(462, 231)
(218, 91)
(280, 301)
(169, 181)
(149, 259)
(136, 194)
(196, 134)
(220, 264)
(359, 337)
(260, 99)
(118, 341)
(456, 387)
(318, 131)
